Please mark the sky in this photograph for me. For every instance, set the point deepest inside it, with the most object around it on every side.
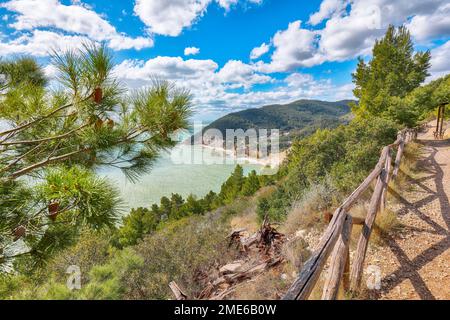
(231, 54)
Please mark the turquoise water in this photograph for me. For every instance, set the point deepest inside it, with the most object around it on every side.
(172, 174)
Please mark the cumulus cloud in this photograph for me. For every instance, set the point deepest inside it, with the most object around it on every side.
(238, 74)
(298, 79)
(76, 19)
(436, 24)
(227, 4)
(259, 51)
(351, 29)
(294, 47)
(170, 17)
(440, 63)
(216, 90)
(191, 51)
(327, 9)
(40, 43)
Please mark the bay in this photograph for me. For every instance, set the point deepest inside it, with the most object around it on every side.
(203, 170)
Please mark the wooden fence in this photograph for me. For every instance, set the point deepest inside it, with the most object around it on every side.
(335, 240)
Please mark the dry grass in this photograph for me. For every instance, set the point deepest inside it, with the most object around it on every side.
(243, 211)
(296, 253)
(309, 211)
(273, 283)
(247, 221)
(408, 167)
(269, 285)
(316, 293)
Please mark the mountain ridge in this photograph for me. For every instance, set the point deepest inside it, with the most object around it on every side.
(296, 119)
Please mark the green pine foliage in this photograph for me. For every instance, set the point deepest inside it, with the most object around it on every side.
(394, 71)
(53, 138)
(251, 184)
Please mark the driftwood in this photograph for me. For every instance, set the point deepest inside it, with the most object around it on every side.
(261, 251)
(177, 292)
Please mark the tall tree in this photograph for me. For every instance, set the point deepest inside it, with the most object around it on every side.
(53, 137)
(394, 71)
(233, 186)
(251, 184)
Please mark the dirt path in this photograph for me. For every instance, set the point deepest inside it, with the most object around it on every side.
(415, 263)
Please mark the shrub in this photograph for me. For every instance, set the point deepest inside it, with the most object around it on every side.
(308, 211)
(179, 252)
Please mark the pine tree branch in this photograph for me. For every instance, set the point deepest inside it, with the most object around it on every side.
(43, 163)
(61, 136)
(20, 158)
(29, 124)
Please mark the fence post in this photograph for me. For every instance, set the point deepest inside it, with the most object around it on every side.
(438, 122)
(339, 261)
(441, 133)
(398, 159)
(387, 167)
(360, 254)
(307, 279)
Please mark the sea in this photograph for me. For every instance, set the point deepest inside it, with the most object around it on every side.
(199, 170)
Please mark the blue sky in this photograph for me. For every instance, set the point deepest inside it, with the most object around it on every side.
(232, 54)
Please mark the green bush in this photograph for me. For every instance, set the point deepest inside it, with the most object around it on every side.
(344, 156)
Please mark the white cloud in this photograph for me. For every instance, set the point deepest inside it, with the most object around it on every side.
(294, 47)
(40, 43)
(76, 19)
(440, 63)
(327, 9)
(298, 79)
(214, 89)
(170, 17)
(191, 51)
(437, 24)
(351, 33)
(227, 4)
(259, 51)
(238, 74)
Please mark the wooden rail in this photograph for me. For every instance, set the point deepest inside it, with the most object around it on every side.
(336, 238)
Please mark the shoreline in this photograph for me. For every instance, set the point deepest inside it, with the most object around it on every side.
(272, 161)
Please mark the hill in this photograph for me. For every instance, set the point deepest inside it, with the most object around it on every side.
(296, 119)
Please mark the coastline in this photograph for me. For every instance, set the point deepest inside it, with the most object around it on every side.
(273, 160)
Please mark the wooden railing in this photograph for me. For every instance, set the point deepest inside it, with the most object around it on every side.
(335, 240)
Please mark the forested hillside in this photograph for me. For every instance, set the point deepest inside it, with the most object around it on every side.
(299, 118)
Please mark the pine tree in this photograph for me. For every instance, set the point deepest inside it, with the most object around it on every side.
(56, 136)
(394, 71)
(177, 202)
(251, 184)
(192, 206)
(232, 187)
(165, 208)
